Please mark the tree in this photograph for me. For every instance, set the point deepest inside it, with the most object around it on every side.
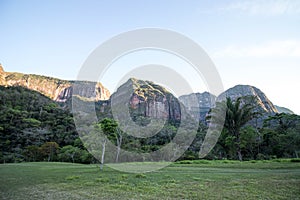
(281, 136)
(237, 114)
(32, 153)
(69, 152)
(50, 149)
(29, 119)
(108, 127)
(112, 131)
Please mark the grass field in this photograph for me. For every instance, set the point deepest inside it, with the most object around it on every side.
(186, 180)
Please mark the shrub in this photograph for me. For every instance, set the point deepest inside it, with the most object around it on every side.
(102, 180)
(185, 162)
(295, 160)
(202, 162)
(140, 176)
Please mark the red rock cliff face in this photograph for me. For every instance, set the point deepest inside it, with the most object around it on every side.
(56, 89)
(147, 99)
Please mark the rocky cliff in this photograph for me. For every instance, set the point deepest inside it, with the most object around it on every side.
(56, 89)
(204, 101)
(146, 99)
(199, 103)
(263, 104)
(151, 100)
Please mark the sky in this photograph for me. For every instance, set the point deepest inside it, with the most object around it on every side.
(253, 42)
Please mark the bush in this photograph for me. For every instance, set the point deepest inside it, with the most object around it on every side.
(202, 162)
(140, 176)
(185, 162)
(295, 160)
(102, 180)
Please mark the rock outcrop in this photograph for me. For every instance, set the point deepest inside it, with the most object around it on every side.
(56, 89)
(146, 99)
(263, 103)
(199, 104)
(205, 101)
(143, 98)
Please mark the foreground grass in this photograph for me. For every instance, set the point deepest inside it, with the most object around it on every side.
(185, 180)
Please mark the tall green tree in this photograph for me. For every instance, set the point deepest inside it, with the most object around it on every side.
(113, 132)
(281, 135)
(237, 114)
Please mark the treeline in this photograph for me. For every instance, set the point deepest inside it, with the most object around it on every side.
(278, 138)
(34, 128)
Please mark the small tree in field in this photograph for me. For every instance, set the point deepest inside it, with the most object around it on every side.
(110, 129)
(49, 149)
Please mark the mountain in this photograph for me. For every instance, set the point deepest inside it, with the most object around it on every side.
(262, 101)
(199, 103)
(283, 110)
(146, 99)
(253, 96)
(56, 89)
(31, 118)
(205, 101)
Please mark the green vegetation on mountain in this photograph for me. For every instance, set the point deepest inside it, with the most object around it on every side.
(34, 127)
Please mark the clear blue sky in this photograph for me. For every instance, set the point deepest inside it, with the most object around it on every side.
(251, 42)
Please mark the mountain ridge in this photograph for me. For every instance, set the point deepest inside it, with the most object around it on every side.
(57, 89)
(61, 91)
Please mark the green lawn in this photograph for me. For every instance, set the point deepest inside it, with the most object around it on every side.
(190, 180)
